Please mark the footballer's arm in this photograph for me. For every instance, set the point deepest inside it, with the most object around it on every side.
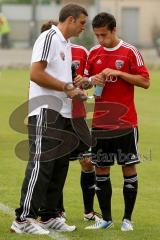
(43, 79)
(137, 80)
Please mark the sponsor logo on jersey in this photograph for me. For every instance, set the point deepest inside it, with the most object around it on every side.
(112, 79)
(99, 61)
(119, 64)
(76, 63)
(62, 55)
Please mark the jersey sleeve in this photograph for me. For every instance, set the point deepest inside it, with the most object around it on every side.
(137, 66)
(44, 48)
(79, 58)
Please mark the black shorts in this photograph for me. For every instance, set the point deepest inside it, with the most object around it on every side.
(123, 148)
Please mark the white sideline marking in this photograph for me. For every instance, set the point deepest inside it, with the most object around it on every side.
(6, 209)
(55, 235)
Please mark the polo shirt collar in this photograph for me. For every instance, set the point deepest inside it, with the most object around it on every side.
(60, 34)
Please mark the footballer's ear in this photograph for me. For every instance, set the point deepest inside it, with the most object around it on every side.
(70, 19)
(114, 30)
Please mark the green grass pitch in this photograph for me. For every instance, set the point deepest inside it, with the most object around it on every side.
(14, 90)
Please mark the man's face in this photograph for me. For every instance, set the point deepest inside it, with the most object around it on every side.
(104, 36)
(78, 25)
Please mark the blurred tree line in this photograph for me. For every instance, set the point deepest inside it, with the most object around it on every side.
(25, 1)
(86, 39)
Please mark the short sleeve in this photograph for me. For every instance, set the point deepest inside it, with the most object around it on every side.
(137, 66)
(44, 47)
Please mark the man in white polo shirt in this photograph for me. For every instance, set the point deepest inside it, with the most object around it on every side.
(51, 135)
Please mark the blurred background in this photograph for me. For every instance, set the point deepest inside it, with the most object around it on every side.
(138, 23)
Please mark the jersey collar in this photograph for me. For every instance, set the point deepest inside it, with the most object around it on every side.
(116, 47)
(59, 34)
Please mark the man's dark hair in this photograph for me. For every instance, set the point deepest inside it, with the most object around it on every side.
(73, 10)
(104, 20)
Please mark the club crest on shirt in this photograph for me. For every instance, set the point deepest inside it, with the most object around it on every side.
(62, 55)
(76, 63)
(119, 64)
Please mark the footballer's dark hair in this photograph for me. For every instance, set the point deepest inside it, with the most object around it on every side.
(48, 25)
(104, 19)
(73, 10)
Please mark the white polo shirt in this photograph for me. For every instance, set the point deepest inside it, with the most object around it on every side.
(51, 46)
